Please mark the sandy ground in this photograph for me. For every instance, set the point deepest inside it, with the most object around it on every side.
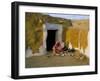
(53, 61)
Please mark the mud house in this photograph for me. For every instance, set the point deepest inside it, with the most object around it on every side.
(42, 31)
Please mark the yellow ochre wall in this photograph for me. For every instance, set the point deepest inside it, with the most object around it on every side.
(77, 34)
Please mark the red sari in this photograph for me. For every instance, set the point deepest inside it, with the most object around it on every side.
(57, 48)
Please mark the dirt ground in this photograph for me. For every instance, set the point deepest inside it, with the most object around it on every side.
(55, 61)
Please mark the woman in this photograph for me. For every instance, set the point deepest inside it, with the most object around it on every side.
(58, 48)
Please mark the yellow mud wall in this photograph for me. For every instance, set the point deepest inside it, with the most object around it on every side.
(72, 36)
(34, 32)
(77, 35)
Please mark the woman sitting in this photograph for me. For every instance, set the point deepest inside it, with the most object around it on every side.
(58, 48)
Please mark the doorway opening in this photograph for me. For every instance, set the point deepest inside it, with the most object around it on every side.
(51, 39)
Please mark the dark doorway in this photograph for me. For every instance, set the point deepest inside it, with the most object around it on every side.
(51, 39)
